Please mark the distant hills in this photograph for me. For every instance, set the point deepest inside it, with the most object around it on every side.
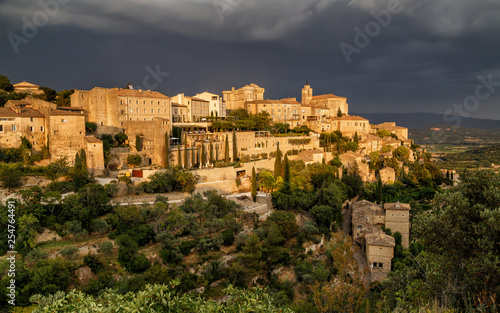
(427, 120)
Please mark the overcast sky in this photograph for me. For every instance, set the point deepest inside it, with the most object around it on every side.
(421, 55)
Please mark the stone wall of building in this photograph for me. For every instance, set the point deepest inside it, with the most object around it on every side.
(94, 153)
(152, 130)
(66, 134)
(379, 254)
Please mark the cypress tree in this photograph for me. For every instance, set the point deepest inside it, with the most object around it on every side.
(277, 162)
(203, 155)
(186, 161)
(448, 174)
(379, 189)
(166, 152)
(339, 113)
(216, 153)
(451, 175)
(179, 155)
(211, 154)
(198, 157)
(235, 148)
(138, 143)
(192, 157)
(226, 150)
(356, 138)
(78, 162)
(286, 175)
(83, 159)
(254, 185)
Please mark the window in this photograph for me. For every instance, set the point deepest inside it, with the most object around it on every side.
(13, 128)
(137, 110)
(64, 120)
(55, 132)
(159, 111)
(31, 119)
(41, 128)
(360, 226)
(378, 264)
(152, 110)
(130, 110)
(1, 128)
(123, 112)
(32, 129)
(144, 110)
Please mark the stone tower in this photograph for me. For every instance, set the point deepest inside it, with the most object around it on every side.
(307, 94)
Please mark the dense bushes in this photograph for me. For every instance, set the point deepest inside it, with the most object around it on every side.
(171, 180)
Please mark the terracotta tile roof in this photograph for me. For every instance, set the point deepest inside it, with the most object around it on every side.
(57, 112)
(380, 239)
(388, 169)
(24, 112)
(308, 154)
(26, 85)
(397, 206)
(92, 139)
(178, 105)
(350, 118)
(197, 99)
(328, 96)
(138, 93)
(282, 101)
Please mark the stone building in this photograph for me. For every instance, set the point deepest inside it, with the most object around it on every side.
(217, 107)
(43, 124)
(379, 252)
(332, 102)
(179, 113)
(367, 221)
(28, 88)
(197, 109)
(387, 175)
(316, 117)
(236, 98)
(401, 132)
(114, 107)
(349, 125)
(281, 111)
(153, 136)
(370, 143)
(312, 156)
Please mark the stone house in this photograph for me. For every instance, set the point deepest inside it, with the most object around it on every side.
(367, 221)
(236, 98)
(217, 107)
(28, 88)
(112, 108)
(44, 124)
(281, 111)
(387, 175)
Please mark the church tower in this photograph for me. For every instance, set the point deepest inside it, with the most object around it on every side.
(307, 94)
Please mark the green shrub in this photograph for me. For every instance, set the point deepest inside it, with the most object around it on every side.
(227, 237)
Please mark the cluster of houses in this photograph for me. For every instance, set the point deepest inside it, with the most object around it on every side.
(149, 115)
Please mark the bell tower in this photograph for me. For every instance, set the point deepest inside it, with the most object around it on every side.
(307, 94)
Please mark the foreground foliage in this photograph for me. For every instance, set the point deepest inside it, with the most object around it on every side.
(156, 298)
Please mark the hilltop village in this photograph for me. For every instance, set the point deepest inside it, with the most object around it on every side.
(209, 133)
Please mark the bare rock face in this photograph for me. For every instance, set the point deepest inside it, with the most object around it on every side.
(84, 275)
(47, 235)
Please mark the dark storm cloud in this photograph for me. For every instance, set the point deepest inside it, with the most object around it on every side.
(427, 58)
